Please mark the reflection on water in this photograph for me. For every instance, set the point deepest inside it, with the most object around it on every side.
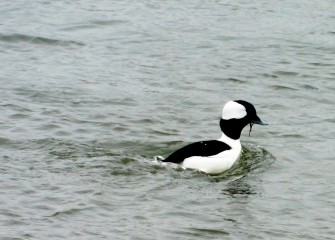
(239, 189)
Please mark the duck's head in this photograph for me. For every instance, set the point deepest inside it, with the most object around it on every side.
(236, 115)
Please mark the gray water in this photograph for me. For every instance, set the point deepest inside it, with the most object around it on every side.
(91, 91)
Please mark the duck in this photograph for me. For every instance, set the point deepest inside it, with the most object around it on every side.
(217, 156)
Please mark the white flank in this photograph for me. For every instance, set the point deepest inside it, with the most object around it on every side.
(217, 163)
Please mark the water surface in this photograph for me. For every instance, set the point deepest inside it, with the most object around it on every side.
(92, 91)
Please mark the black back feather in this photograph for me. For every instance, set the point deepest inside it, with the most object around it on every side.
(203, 149)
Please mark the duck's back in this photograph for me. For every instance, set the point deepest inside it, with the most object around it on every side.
(198, 149)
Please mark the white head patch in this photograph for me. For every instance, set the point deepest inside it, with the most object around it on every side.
(233, 110)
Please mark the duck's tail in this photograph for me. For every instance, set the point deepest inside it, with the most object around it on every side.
(159, 158)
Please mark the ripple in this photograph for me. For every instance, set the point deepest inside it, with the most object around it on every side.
(310, 87)
(71, 211)
(4, 141)
(233, 80)
(286, 73)
(319, 64)
(270, 75)
(253, 160)
(49, 127)
(292, 135)
(18, 116)
(283, 87)
(16, 107)
(18, 38)
(94, 24)
(238, 189)
(201, 232)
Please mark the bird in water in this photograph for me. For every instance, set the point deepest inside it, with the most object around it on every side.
(217, 156)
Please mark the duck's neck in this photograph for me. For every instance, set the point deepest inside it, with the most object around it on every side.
(232, 128)
(231, 142)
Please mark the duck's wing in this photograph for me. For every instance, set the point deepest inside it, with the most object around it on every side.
(203, 149)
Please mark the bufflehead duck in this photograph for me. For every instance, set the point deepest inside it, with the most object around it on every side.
(217, 156)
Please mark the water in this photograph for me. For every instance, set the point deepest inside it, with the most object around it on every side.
(91, 91)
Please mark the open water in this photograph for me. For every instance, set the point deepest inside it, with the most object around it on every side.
(91, 91)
